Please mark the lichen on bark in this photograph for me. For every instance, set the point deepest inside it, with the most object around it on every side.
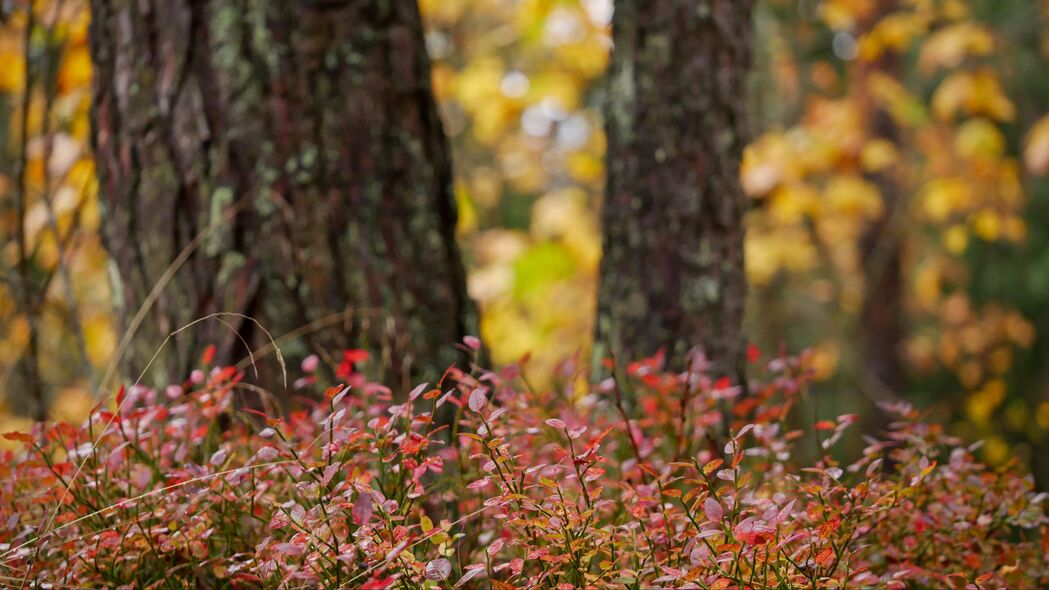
(314, 119)
(672, 269)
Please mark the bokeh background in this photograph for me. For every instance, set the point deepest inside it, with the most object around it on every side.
(947, 194)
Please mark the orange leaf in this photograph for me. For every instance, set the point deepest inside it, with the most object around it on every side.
(825, 557)
(712, 466)
(720, 584)
(829, 527)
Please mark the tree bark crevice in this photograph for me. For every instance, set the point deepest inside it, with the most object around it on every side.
(320, 123)
(672, 268)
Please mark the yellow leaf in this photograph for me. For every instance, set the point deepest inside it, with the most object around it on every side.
(98, 332)
(892, 33)
(12, 75)
(586, 167)
(1042, 415)
(979, 138)
(948, 47)
(75, 71)
(987, 224)
(943, 196)
(956, 239)
(843, 15)
(825, 360)
(791, 203)
(854, 196)
(996, 450)
(72, 405)
(974, 93)
(877, 155)
(1036, 150)
(441, 12)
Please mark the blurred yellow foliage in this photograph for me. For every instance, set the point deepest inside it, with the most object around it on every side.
(61, 209)
(529, 150)
(972, 93)
(951, 45)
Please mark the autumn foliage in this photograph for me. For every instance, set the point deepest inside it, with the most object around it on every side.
(645, 479)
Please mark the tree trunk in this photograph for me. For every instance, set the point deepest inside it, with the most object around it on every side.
(315, 121)
(881, 322)
(672, 270)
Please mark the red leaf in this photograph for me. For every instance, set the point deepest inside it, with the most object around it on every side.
(378, 583)
(753, 353)
(722, 383)
(346, 368)
(120, 395)
(256, 412)
(18, 436)
(208, 356)
(754, 532)
(355, 355)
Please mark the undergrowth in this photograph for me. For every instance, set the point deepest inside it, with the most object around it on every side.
(648, 479)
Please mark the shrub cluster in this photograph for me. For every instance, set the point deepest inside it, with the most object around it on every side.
(648, 479)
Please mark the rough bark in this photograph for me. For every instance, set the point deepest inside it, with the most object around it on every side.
(316, 121)
(672, 270)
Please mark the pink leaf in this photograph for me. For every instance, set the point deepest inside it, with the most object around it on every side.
(310, 363)
(362, 509)
(418, 391)
(290, 548)
(219, 457)
(438, 569)
(496, 546)
(478, 399)
(471, 572)
(266, 454)
(481, 483)
(279, 520)
(712, 508)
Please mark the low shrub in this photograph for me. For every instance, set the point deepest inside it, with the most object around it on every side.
(648, 479)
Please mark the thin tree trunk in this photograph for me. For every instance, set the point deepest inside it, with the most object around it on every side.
(672, 270)
(316, 118)
(881, 322)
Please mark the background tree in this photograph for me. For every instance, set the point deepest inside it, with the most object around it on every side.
(672, 270)
(881, 329)
(312, 126)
